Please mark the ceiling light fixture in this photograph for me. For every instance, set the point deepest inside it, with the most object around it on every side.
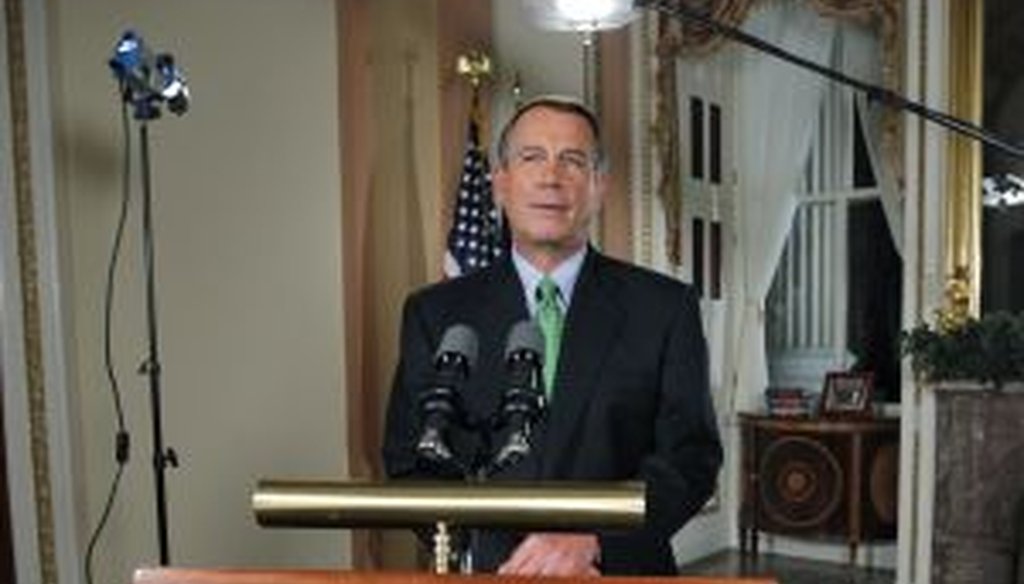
(580, 15)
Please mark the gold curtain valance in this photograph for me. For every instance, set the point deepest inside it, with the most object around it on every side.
(886, 16)
(681, 37)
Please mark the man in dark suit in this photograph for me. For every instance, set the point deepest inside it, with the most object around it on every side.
(629, 392)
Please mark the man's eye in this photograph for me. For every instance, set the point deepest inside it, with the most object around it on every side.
(574, 160)
(532, 156)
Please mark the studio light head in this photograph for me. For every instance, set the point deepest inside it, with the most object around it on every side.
(147, 80)
(171, 84)
(131, 58)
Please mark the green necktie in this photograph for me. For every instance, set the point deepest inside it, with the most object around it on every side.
(550, 319)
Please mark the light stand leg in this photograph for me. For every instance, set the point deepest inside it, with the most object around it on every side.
(151, 367)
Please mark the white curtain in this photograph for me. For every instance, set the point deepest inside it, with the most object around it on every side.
(861, 59)
(777, 112)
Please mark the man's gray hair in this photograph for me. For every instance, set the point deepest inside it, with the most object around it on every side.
(560, 103)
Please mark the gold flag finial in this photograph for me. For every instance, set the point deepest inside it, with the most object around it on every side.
(475, 66)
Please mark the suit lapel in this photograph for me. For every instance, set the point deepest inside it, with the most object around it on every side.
(504, 301)
(498, 304)
(501, 305)
(591, 327)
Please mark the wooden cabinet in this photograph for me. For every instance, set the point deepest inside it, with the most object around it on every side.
(819, 477)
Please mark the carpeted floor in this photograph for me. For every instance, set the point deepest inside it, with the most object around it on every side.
(786, 570)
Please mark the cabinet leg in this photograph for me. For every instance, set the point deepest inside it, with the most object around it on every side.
(748, 543)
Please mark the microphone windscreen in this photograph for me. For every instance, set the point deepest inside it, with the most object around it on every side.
(525, 334)
(460, 339)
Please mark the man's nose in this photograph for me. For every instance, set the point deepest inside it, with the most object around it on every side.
(551, 170)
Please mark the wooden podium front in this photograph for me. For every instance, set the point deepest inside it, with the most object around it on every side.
(195, 576)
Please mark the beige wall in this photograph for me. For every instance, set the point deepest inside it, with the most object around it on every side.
(247, 208)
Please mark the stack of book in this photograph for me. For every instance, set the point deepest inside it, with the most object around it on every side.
(788, 401)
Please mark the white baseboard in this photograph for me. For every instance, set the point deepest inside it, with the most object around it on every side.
(874, 556)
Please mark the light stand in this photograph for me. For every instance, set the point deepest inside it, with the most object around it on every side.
(146, 82)
(591, 63)
(151, 366)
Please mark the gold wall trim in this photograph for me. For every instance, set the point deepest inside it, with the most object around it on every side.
(962, 258)
(919, 278)
(919, 125)
(28, 268)
(648, 165)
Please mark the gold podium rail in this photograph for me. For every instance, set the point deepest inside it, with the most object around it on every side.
(548, 506)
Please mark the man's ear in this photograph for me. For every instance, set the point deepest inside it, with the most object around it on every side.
(499, 185)
(602, 182)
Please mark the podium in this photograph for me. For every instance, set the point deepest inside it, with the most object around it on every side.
(195, 576)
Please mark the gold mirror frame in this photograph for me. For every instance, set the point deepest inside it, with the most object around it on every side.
(962, 225)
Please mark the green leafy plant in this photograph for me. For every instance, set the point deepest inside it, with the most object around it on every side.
(989, 349)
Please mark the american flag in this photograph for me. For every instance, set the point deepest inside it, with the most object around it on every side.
(477, 237)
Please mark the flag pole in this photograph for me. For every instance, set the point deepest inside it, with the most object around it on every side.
(475, 66)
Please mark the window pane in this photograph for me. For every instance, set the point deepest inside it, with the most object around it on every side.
(716, 260)
(874, 292)
(698, 255)
(696, 137)
(716, 144)
(863, 174)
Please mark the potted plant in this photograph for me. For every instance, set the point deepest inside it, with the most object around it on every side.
(989, 349)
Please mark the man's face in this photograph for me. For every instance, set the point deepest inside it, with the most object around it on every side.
(549, 186)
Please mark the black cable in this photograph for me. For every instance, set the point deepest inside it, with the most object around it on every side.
(121, 448)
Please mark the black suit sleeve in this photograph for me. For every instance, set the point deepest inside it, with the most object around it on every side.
(682, 470)
(402, 425)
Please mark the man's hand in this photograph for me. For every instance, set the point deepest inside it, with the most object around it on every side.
(554, 554)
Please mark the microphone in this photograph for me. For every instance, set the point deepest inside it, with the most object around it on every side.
(523, 401)
(440, 404)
